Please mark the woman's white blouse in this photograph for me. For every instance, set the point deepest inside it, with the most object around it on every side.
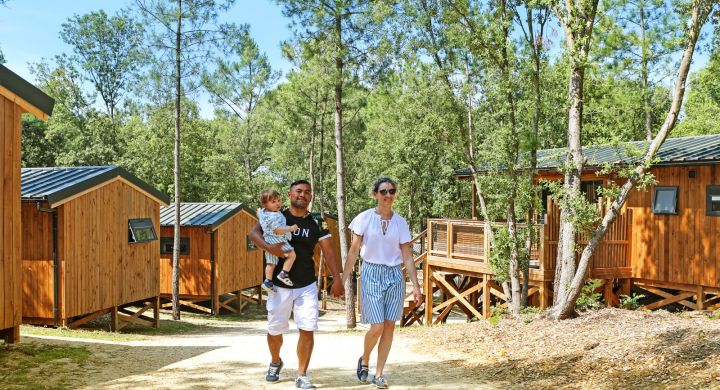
(377, 247)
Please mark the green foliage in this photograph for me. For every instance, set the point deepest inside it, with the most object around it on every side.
(500, 252)
(496, 314)
(585, 214)
(702, 107)
(631, 302)
(589, 299)
(107, 49)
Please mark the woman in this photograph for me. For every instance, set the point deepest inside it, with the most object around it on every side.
(382, 238)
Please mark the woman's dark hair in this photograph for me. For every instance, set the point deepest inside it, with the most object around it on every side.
(380, 180)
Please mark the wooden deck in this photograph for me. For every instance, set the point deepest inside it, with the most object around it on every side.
(457, 265)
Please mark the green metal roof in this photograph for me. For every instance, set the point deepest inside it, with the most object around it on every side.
(25, 90)
(55, 184)
(210, 215)
(704, 149)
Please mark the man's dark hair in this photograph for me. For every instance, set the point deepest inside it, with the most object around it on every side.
(298, 182)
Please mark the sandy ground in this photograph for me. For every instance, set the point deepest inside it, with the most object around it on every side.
(235, 355)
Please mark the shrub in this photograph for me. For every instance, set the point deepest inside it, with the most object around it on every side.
(631, 302)
(589, 299)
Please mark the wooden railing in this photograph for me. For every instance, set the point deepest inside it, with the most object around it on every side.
(467, 240)
(612, 252)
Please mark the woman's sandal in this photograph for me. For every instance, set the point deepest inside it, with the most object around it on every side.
(362, 371)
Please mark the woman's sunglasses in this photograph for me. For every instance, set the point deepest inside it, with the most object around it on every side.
(391, 191)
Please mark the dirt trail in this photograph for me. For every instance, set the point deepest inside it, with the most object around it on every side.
(234, 355)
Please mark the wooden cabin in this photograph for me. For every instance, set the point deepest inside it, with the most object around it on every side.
(17, 96)
(217, 259)
(664, 242)
(89, 246)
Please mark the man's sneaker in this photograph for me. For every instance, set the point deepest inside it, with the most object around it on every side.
(273, 374)
(268, 286)
(362, 371)
(303, 382)
(285, 278)
(380, 382)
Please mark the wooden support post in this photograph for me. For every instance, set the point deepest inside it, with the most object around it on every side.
(259, 295)
(625, 287)
(487, 312)
(610, 298)
(10, 335)
(215, 305)
(544, 294)
(239, 301)
(114, 319)
(428, 283)
(156, 312)
(701, 298)
(450, 239)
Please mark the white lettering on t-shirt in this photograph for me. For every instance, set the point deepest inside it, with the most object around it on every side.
(302, 232)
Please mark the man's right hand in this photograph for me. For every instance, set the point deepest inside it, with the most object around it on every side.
(276, 250)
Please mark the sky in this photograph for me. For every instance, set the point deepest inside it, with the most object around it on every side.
(30, 29)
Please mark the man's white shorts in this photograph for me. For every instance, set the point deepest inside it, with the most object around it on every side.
(302, 302)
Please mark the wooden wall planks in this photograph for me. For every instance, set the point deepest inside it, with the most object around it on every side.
(10, 230)
(194, 268)
(678, 248)
(237, 267)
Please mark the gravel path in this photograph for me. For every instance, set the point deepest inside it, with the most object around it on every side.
(235, 355)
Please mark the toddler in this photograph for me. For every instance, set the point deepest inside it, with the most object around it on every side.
(275, 231)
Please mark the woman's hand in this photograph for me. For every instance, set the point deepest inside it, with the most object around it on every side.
(418, 295)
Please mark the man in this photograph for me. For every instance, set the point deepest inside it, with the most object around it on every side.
(302, 297)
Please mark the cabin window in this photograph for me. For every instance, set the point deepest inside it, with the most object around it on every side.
(141, 230)
(167, 245)
(665, 200)
(712, 196)
(250, 245)
(590, 189)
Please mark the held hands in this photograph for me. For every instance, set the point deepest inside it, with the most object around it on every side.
(338, 289)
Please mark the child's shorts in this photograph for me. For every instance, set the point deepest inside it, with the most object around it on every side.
(272, 259)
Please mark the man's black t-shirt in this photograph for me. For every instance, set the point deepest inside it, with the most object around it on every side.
(303, 241)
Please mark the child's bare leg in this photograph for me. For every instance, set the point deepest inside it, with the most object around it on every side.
(269, 271)
(289, 260)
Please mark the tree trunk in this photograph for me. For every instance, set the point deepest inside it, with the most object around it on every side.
(646, 96)
(176, 236)
(321, 163)
(313, 129)
(565, 307)
(340, 173)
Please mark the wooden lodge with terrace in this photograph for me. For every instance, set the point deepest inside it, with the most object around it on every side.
(664, 244)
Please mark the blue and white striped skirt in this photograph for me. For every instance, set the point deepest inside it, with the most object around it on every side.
(381, 293)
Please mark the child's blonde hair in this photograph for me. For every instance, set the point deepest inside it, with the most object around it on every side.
(268, 195)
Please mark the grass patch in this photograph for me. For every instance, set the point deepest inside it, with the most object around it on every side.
(129, 333)
(36, 366)
(82, 333)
